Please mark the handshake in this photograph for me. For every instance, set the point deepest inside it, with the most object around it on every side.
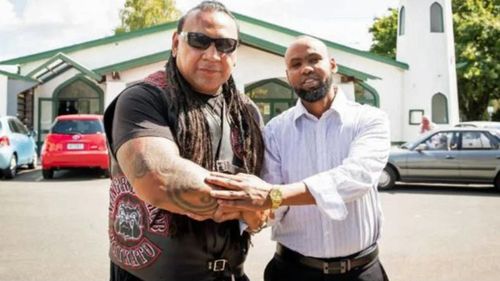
(242, 196)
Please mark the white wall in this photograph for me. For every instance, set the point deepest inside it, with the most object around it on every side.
(432, 61)
(113, 87)
(109, 54)
(254, 65)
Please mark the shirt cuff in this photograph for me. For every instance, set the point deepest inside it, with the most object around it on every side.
(322, 188)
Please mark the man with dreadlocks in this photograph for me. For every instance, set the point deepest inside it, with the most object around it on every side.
(167, 133)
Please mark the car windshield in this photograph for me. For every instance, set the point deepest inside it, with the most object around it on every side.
(72, 127)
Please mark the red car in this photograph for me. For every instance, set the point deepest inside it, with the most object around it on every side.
(75, 141)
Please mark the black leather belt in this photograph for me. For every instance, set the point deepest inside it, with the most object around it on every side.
(328, 265)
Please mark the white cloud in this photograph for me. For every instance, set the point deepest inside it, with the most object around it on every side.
(32, 26)
(49, 24)
(7, 15)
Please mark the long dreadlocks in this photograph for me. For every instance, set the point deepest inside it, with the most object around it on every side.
(194, 140)
(193, 133)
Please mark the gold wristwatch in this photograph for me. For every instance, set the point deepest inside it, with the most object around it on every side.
(276, 198)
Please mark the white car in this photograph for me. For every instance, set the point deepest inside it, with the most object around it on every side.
(480, 124)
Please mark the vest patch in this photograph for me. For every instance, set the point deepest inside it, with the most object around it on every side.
(131, 218)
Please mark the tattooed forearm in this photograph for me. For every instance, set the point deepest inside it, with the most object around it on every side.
(184, 191)
(154, 169)
(203, 205)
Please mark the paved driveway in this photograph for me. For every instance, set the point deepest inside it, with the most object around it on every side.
(56, 230)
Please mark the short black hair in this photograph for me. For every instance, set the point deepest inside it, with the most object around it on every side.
(212, 6)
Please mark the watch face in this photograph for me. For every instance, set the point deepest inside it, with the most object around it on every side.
(276, 198)
(275, 193)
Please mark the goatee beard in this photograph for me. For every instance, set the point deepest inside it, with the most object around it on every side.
(315, 94)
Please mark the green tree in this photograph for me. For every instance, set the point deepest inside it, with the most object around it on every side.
(384, 31)
(477, 49)
(138, 14)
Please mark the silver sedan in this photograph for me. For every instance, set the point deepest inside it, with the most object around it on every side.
(457, 155)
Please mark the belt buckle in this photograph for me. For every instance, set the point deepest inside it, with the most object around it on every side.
(217, 265)
(345, 266)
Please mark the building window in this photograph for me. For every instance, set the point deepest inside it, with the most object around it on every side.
(272, 96)
(439, 109)
(78, 96)
(402, 21)
(436, 18)
(364, 94)
(416, 116)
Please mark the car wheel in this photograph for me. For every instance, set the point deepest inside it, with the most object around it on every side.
(387, 179)
(33, 162)
(497, 182)
(47, 173)
(10, 172)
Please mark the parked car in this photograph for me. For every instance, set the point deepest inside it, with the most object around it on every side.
(479, 124)
(456, 155)
(17, 146)
(75, 141)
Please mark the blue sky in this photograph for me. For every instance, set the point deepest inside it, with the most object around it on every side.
(32, 26)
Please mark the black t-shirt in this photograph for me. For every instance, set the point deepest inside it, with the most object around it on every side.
(142, 111)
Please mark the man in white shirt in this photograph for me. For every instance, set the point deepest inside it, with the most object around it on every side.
(322, 163)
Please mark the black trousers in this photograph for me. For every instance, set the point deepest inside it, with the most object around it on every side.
(118, 274)
(279, 270)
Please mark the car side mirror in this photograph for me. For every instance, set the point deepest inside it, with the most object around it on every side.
(421, 147)
(32, 133)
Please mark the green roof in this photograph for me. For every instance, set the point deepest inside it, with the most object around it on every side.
(134, 63)
(330, 44)
(167, 26)
(245, 39)
(16, 76)
(93, 43)
(65, 60)
(280, 50)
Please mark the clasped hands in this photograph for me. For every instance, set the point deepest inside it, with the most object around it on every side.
(241, 196)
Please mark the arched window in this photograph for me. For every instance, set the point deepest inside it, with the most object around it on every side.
(272, 96)
(78, 95)
(402, 21)
(437, 18)
(365, 94)
(439, 109)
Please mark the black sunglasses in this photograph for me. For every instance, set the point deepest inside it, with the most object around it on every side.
(201, 41)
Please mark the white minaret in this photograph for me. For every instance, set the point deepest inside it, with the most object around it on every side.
(426, 43)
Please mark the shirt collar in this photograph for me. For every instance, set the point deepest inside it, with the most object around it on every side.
(338, 105)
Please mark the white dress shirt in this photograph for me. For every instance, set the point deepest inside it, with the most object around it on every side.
(339, 157)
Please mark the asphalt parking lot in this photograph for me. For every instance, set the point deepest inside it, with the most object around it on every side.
(56, 230)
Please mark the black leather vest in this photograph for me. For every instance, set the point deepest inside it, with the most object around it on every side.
(140, 236)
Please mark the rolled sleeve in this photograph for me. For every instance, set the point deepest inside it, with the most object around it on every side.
(328, 200)
(357, 174)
